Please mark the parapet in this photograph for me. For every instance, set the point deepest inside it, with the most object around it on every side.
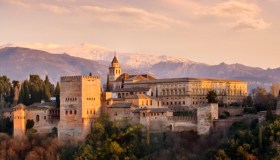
(77, 78)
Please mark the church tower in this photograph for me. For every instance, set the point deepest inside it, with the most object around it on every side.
(114, 70)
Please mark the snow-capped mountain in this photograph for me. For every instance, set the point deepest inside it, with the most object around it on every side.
(94, 52)
(18, 63)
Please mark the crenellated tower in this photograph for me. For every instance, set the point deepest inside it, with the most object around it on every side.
(80, 106)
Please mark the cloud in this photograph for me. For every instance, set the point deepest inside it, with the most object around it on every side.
(245, 14)
(132, 16)
(250, 24)
(16, 3)
(54, 8)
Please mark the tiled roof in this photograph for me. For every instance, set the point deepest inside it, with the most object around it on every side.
(31, 107)
(121, 105)
(138, 96)
(133, 89)
(168, 80)
(42, 104)
(115, 60)
(152, 110)
(139, 77)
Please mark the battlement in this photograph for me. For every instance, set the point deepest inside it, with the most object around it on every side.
(77, 78)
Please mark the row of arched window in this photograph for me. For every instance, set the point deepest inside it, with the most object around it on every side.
(70, 99)
(71, 112)
(90, 112)
(174, 103)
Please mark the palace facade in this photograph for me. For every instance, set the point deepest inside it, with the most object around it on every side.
(176, 92)
(136, 99)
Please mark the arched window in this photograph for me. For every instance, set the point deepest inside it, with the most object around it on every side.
(37, 118)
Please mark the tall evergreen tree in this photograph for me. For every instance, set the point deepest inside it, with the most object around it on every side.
(24, 96)
(57, 89)
(57, 94)
(108, 84)
(49, 85)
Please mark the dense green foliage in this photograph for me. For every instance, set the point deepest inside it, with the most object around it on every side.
(6, 126)
(6, 90)
(255, 141)
(35, 89)
(212, 96)
(29, 124)
(109, 141)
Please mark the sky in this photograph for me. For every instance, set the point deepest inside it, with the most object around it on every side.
(208, 31)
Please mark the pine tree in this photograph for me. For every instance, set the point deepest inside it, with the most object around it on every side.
(57, 94)
(57, 89)
(46, 94)
(49, 85)
(107, 84)
(24, 96)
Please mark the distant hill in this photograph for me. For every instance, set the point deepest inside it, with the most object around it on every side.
(18, 63)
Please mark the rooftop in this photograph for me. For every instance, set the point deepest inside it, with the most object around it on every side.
(121, 105)
(168, 80)
(133, 89)
(152, 110)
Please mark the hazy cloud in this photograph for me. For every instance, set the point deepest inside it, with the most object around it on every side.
(245, 14)
(55, 8)
(131, 16)
(249, 24)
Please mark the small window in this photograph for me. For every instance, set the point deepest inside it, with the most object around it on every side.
(66, 112)
(37, 118)
(45, 117)
(71, 112)
(75, 112)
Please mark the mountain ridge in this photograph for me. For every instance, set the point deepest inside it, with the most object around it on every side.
(25, 61)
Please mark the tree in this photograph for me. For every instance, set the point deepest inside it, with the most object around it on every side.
(57, 94)
(212, 96)
(46, 93)
(108, 84)
(24, 96)
(36, 88)
(57, 89)
(29, 124)
(248, 102)
(274, 89)
(115, 149)
(262, 99)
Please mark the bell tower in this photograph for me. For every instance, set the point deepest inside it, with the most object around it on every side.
(114, 70)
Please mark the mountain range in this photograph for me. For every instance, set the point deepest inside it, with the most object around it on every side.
(18, 61)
